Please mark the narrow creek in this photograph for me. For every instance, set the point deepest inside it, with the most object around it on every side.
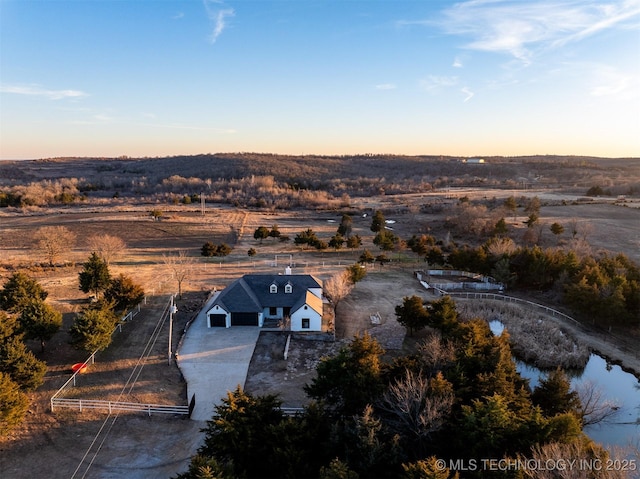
(623, 428)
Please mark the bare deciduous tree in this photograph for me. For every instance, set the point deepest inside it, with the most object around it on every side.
(337, 288)
(577, 453)
(595, 407)
(414, 407)
(500, 247)
(180, 267)
(585, 229)
(436, 353)
(54, 241)
(106, 246)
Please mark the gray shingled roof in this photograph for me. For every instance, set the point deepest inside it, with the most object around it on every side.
(251, 292)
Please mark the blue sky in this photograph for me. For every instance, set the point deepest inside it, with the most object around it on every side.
(468, 78)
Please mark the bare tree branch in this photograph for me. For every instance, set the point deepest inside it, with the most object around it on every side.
(180, 267)
(413, 406)
(595, 407)
(106, 246)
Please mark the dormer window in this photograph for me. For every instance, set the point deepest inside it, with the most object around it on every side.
(273, 288)
(288, 288)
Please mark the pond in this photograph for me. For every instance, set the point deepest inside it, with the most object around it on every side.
(615, 384)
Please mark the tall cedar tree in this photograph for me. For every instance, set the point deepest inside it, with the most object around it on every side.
(123, 293)
(93, 327)
(20, 363)
(377, 222)
(95, 276)
(412, 314)
(13, 404)
(18, 291)
(40, 321)
(350, 380)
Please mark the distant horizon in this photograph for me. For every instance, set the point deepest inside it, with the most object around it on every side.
(127, 157)
(458, 77)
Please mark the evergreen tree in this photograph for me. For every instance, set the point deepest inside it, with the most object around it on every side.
(123, 293)
(40, 321)
(274, 232)
(93, 328)
(261, 233)
(556, 228)
(95, 276)
(208, 249)
(346, 226)
(336, 241)
(354, 241)
(18, 291)
(377, 222)
(412, 314)
(242, 431)
(511, 205)
(13, 404)
(223, 250)
(386, 240)
(356, 273)
(350, 380)
(366, 257)
(20, 364)
(500, 229)
(554, 395)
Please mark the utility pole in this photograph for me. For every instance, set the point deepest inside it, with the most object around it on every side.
(172, 310)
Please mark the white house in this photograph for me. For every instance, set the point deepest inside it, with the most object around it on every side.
(256, 298)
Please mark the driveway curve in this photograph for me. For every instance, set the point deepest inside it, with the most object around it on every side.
(214, 361)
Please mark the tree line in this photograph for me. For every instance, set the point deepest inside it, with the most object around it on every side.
(280, 181)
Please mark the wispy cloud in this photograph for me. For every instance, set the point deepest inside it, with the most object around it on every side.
(457, 62)
(608, 81)
(469, 94)
(218, 16)
(178, 16)
(521, 29)
(386, 86)
(433, 83)
(35, 90)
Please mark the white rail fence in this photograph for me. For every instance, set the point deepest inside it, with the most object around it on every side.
(81, 404)
(111, 406)
(508, 299)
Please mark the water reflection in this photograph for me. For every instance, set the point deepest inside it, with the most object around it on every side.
(614, 383)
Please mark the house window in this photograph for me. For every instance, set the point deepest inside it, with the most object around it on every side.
(273, 311)
(287, 288)
(305, 323)
(273, 288)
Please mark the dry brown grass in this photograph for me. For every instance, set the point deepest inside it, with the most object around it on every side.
(535, 337)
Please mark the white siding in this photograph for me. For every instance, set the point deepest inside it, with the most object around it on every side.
(218, 310)
(315, 319)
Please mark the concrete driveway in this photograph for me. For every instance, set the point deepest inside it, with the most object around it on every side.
(214, 361)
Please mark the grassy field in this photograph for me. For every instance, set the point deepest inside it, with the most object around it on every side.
(63, 437)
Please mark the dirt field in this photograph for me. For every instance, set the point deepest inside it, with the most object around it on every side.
(141, 447)
(378, 294)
